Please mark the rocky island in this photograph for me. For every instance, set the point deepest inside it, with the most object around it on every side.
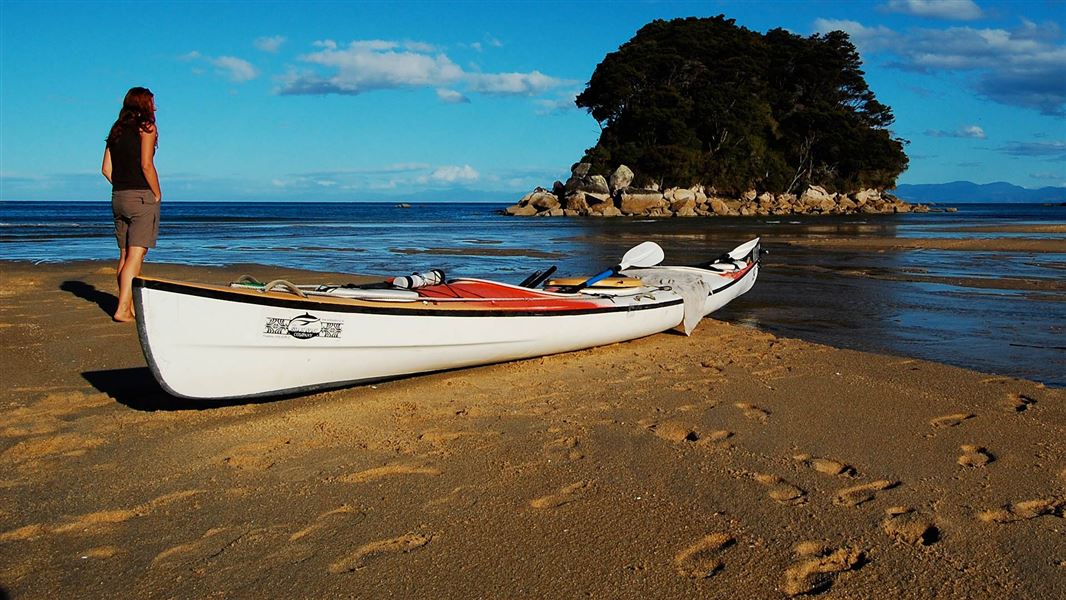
(701, 117)
(597, 196)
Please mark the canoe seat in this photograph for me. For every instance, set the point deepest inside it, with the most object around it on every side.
(727, 267)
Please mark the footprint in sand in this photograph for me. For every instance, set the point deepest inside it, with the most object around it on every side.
(46, 416)
(92, 522)
(210, 545)
(676, 431)
(440, 438)
(753, 412)
(367, 552)
(255, 456)
(63, 444)
(1021, 511)
(464, 497)
(906, 525)
(717, 439)
(997, 380)
(96, 522)
(347, 515)
(859, 494)
(818, 566)
(1018, 403)
(974, 456)
(387, 471)
(565, 495)
(563, 449)
(27, 532)
(782, 491)
(701, 559)
(827, 466)
(950, 420)
(99, 552)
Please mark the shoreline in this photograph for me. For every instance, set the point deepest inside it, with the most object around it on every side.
(731, 462)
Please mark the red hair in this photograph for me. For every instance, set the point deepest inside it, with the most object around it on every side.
(138, 110)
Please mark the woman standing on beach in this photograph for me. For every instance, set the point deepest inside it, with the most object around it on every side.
(129, 164)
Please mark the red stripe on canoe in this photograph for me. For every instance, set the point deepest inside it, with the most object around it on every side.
(524, 298)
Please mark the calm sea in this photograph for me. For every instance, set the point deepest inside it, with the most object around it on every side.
(900, 304)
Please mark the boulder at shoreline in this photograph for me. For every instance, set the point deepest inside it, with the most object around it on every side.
(592, 195)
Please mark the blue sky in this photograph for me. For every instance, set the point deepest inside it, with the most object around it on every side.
(470, 100)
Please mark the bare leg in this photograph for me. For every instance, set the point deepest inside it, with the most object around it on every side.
(121, 263)
(131, 268)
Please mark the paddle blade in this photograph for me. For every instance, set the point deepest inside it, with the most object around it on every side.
(742, 251)
(646, 254)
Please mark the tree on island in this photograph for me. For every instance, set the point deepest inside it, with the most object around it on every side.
(703, 101)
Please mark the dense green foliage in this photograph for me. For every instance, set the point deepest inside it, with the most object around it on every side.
(702, 101)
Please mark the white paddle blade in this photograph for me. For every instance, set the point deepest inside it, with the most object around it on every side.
(743, 250)
(646, 254)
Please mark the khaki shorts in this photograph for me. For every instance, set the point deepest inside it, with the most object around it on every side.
(136, 218)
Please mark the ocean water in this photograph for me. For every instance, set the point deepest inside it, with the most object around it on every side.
(978, 310)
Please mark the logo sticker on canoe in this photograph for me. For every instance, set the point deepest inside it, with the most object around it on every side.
(303, 327)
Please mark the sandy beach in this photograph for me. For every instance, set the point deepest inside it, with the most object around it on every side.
(728, 464)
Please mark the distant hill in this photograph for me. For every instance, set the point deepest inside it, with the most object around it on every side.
(968, 191)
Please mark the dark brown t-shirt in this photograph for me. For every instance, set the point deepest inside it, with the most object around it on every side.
(126, 172)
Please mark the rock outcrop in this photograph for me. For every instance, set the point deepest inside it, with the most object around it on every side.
(588, 194)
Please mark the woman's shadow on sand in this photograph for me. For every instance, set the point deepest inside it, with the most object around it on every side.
(107, 302)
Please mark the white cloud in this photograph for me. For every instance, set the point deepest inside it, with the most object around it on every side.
(371, 65)
(1054, 150)
(966, 131)
(398, 176)
(1050, 175)
(1021, 67)
(527, 84)
(557, 105)
(236, 69)
(451, 97)
(452, 174)
(958, 10)
(866, 39)
(367, 65)
(419, 47)
(480, 46)
(270, 44)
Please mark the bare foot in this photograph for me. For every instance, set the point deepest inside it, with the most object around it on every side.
(123, 317)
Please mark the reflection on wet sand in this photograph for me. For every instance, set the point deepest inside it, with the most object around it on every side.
(885, 284)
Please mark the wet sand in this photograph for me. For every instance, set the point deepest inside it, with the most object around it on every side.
(973, 303)
(732, 463)
(979, 245)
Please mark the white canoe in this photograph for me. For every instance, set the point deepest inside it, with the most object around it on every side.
(219, 342)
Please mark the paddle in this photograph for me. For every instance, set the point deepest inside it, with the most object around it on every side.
(646, 254)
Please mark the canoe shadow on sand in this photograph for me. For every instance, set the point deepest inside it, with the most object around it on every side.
(136, 388)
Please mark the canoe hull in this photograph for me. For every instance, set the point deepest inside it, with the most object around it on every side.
(225, 342)
(202, 347)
